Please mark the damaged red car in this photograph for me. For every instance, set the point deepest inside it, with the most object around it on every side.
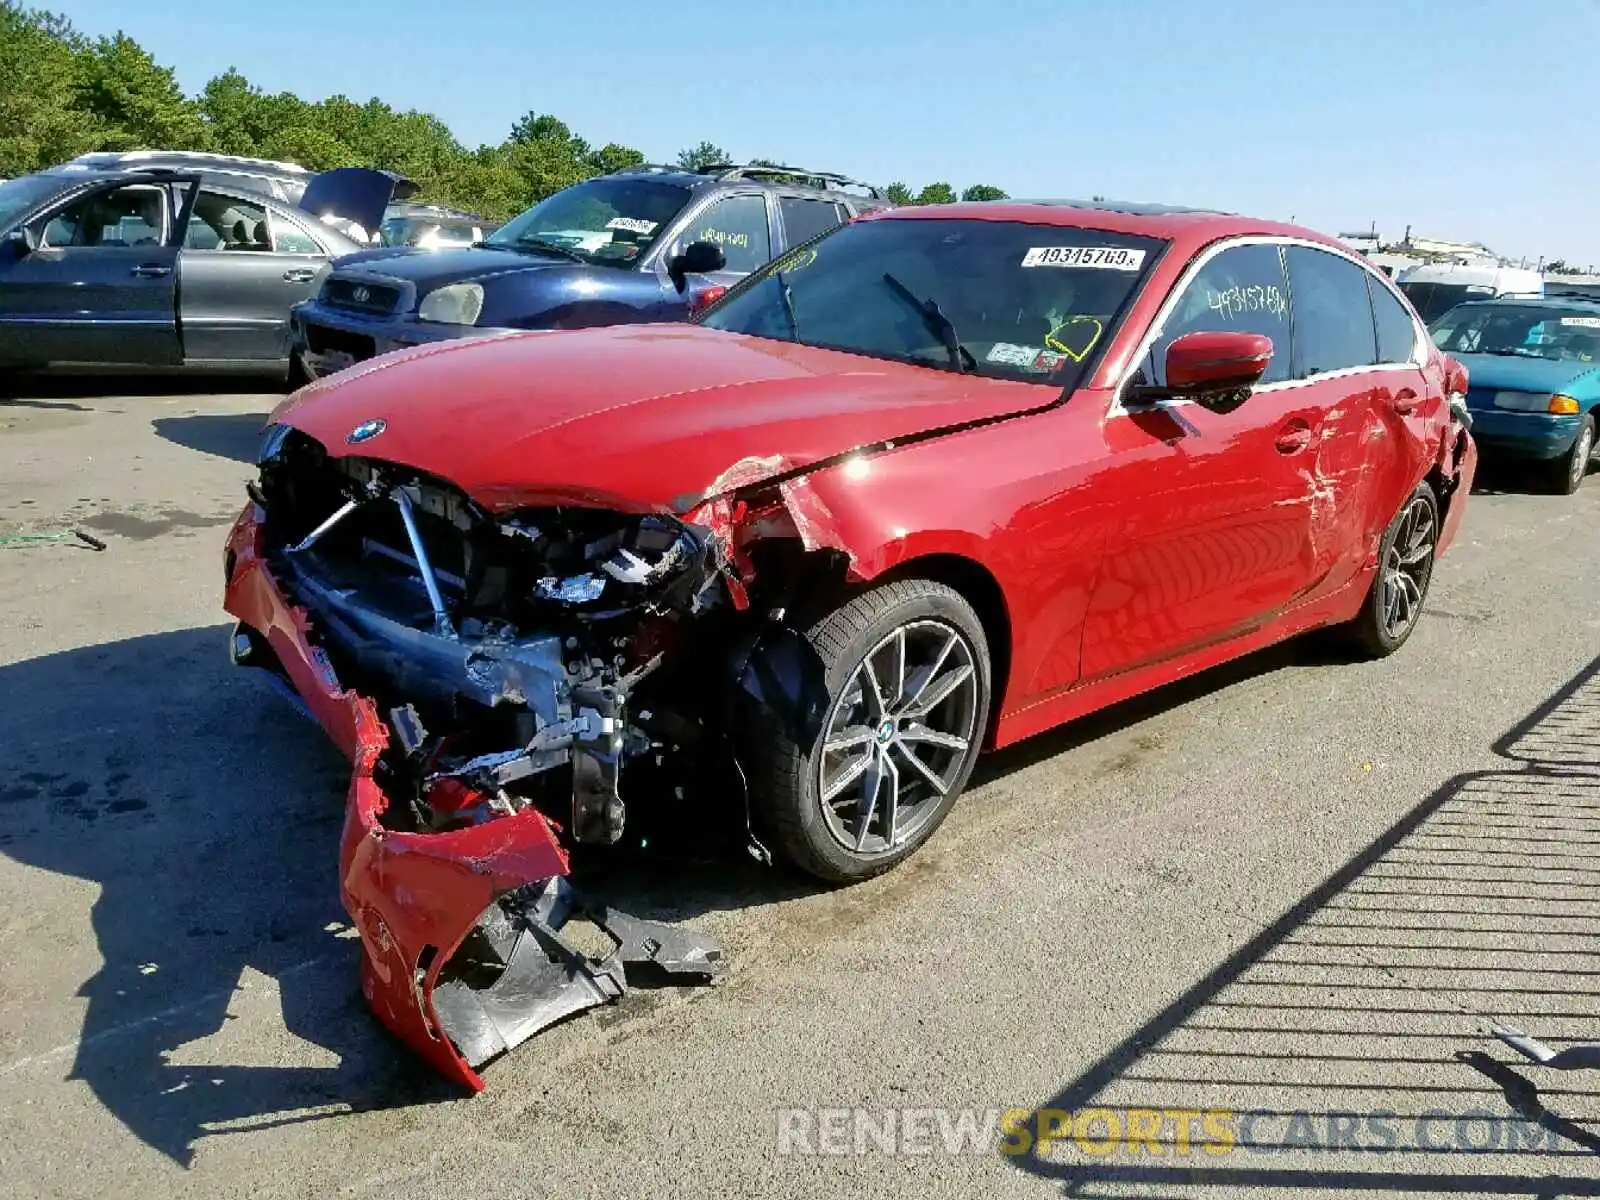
(939, 480)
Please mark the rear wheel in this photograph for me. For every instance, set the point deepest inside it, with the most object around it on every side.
(907, 669)
(1567, 472)
(1405, 569)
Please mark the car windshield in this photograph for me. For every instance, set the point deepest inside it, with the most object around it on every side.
(18, 196)
(1521, 331)
(1004, 299)
(1433, 299)
(609, 221)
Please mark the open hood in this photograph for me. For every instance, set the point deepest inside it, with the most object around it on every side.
(358, 194)
(640, 418)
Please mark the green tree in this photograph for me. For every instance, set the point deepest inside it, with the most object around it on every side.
(136, 101)
(984, 191)
(898, 193)
(41, 65)
(937, 193)
(698, 158)
(612, 157)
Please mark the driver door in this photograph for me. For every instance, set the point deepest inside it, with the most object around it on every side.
(1220, 535)
(101, 287)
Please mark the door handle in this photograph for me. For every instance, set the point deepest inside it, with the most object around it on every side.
(151, 271)
(1293, 437)
(1405, 402)
(299, 275)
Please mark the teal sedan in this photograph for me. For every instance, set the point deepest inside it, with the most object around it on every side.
(1534, 365)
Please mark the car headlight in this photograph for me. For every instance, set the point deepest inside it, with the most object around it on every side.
(458, 304)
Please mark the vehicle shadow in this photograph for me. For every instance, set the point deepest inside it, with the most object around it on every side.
(1349, 1039)
(208, 815)
(22, 388)
(226, 435)
(1511, 477)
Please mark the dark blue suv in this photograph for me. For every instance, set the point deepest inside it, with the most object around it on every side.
(647, 243)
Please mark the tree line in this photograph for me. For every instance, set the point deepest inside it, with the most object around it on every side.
(63, 93)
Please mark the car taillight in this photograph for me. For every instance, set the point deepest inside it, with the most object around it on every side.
(707, 298)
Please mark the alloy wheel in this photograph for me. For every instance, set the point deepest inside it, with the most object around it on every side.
(1407, 567)
(898, 736)
(1581, 453)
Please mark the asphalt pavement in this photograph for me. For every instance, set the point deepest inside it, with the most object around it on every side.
(1285, 898)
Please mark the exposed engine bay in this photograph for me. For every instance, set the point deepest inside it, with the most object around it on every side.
(504, 683)
(520, 660)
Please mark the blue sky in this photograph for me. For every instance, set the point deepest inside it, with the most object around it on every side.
(1470, 119)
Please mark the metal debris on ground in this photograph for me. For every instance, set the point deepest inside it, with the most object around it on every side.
(14, 540)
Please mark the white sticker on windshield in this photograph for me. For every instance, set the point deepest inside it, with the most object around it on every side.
(1011, 355)
(1582, 322)
(631, 225)
(1104, 258)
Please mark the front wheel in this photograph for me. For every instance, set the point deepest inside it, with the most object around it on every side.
(908, 680)
(1567, 472)
(1405, 568)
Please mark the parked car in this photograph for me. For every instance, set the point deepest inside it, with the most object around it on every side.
(432, 227)
(646, 243)
(938, 481)
(1535, 368)
(1435, 288)
(158, 268)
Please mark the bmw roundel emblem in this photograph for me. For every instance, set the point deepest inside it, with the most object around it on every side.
(366, 431)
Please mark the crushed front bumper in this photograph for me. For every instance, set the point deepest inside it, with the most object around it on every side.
(416, 897)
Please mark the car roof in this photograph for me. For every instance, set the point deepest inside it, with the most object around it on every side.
(757, 175)
(1548, 300)
(1192, 226)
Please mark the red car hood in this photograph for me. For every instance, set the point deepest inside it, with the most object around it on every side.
(645, 417)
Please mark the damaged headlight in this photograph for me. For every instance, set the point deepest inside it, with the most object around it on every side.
(458, 304)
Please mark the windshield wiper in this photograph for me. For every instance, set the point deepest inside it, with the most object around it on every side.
(938, 324)
(537, 243)
(787, 293)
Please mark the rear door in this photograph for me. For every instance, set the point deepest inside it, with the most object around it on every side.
(101, 287)
(1223, 534)
(242, 267)
(802, 218)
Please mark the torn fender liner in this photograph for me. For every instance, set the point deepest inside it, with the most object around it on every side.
(462, 953)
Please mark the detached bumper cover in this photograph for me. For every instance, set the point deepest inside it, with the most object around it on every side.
(416, 897)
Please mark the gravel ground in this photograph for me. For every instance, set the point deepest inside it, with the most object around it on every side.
(1293, 888)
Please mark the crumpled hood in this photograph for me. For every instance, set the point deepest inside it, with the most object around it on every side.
(1490, 373)
(644, 417)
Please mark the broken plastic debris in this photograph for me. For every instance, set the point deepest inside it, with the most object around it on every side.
(575, 589)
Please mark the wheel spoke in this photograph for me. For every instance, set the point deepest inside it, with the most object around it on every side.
(891, 802)
(937, 692)
(849, 736)
(933, 737)
(847, 775)
(899, 649)
(868, 805)
(872, 689)
(1417, 554)
(927, 772)
(1391, 599)
(929, 672)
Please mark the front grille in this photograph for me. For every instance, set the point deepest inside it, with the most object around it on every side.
(322, 340)
(360, 295)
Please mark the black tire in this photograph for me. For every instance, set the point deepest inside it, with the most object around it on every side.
(298, 376)
(785, 777)
(1372, 634)
(1567, 472)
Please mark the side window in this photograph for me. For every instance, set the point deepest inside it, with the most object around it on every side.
(1397, 335)
(223, 223)
(1242, 288)
(289, 238)
(1333, 326)
(127, 216)
(739, 225)
(804, 219)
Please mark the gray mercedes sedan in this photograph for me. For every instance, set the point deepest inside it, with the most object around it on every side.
(162, 269)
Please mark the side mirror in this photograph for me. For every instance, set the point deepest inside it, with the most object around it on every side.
(1216, 368)
(698, 258)
(21, 242)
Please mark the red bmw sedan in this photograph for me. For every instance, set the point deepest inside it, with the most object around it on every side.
(935, 482)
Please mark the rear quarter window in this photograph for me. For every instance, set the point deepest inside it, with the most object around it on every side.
(1397, 333)
(804, 219)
